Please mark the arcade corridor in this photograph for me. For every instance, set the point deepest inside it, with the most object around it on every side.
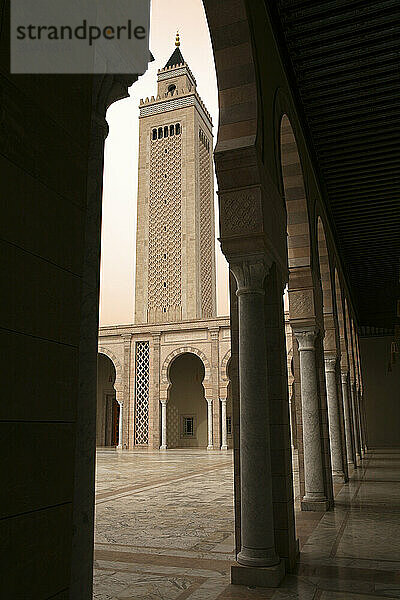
(164, 530)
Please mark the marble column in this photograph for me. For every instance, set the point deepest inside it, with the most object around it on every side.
(128, 436)
(214, 335)
(257, 516)
(335, 433)
(314, 498)
(360, 430)
(347, 421)
(362, 421)
(224, 444)
(154, 391)
(163, 424)
(355, 421)
(121, 406)
(210, 423)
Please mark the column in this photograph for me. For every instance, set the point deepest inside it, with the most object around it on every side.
(210, 423)
(163, 424)
(224, 444)
(359, 424)
(362, 420)
(314, 498)
(335, 434)
(128, 416)
(354, 421)
(214, 334)
(154, 391)
(121, 406)
(258, 562)
(347, 421)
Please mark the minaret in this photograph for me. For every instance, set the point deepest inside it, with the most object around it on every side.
(175, 243)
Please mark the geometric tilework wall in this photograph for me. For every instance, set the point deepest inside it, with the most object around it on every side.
(142, 392)
(206, 228)
(165, 228)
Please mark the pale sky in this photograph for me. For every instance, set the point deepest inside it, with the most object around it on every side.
(121, 155)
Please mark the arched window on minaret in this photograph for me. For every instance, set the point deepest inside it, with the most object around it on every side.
(166, 131)
(171, 89)
(154, 135)
(177, 128)
(171, 130)
(160, 133)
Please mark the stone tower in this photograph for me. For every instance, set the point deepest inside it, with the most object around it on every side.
(175, 244)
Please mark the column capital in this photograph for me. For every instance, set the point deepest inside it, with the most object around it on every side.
(126, 337)
(214, 332)
(223, 400)
(250, 272)
(164, 400)
(306, 338)
(344, 376)
(330, 363)
(209, 400)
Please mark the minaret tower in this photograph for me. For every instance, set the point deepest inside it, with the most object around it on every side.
(175, 244)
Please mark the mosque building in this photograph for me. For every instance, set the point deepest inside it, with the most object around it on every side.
(165, 383)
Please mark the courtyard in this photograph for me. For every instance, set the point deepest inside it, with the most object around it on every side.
(164, 531)
(164, 524)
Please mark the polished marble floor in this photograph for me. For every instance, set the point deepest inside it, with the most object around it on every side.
(164, 531)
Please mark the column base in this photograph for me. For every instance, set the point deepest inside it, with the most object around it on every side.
(258, 576)
(339, 476)
(315, 505)
(224, 447)
(163, 447)
(210, 447)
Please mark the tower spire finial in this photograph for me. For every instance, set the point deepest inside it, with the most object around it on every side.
(177, 40)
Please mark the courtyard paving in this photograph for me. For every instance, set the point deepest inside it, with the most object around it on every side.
(164, 531)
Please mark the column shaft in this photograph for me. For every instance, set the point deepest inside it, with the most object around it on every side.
(214, 334)
(257, 526)
(154, 392)
(314, 498)
(120, 425)
(224, 444)
(127, 423)
(363, 422)
(355, 421)
(347, 421)
(335, 433)
(163, 425)
(210, 423)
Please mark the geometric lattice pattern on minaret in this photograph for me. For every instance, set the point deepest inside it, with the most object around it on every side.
(165, 228)
(142, 393)
(206, 227)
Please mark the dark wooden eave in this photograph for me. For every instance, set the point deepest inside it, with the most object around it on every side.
(343, 62)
